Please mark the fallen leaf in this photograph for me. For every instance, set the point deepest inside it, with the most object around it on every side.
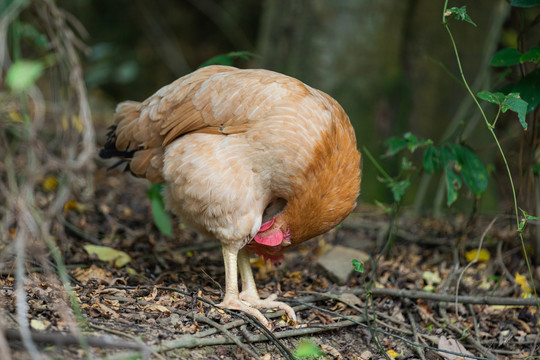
(159, 308)
(92, 273)
(332, 351)
(50, 183)
(452, 345)
(105, 253)
(522, 281)
(73, 205)
(483, 255)
(350, 299)
(431, 277)
(39, 324)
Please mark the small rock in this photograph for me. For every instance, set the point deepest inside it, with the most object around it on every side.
(337, 262)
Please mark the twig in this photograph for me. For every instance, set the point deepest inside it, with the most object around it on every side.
(361, 311)
(196, 317)
(410, 316)
(412, 294)
(407, 341)
(475, 260)
(4, 345)
(191, 341)
(135, 339)
(59, 338)
(20, 292)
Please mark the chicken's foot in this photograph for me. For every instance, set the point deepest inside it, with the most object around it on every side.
(249, 292)
(248, 300)
(232, 299)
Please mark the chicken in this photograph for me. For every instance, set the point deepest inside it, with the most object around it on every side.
(256, 159)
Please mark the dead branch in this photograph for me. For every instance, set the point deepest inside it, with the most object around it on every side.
(62, 339)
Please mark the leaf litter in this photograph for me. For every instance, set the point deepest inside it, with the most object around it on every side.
(164, 289)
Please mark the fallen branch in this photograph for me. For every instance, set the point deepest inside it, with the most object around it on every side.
(191, 341)
(413, 294)
(61, 339)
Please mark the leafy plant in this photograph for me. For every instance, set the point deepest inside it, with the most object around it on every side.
(159, 214)
(459, 163)
(229, 58)
(510, 101)
(307, 350)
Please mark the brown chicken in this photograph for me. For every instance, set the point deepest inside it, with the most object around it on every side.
(256, 159)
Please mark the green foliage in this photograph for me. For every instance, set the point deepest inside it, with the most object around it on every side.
(506, 57)
(523, 96)
(160, 215)
(460, 165)
(408, 141)
(525, 219)
(357, 265)
(229, 58)
(460, 14)
(525, 3)
(23, 74)
(307, 350)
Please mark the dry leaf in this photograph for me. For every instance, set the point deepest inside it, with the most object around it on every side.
(451, 345)
(92, 273)
(350, 299)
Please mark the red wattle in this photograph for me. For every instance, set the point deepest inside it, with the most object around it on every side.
(267, 225)
(273, 239)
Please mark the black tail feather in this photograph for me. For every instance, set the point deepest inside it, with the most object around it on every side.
(110, 151)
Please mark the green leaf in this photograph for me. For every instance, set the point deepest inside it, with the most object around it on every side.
(525, 3)
(473, 171)
(160, 215)
(506, 57)
(228, 59)
(533, 55)
(536, 169)
(495, 98)
(529, 89)
(406, 164)
(460, 14)
(357, 265)
(446, 156)
(398, 188)
(453, 184)
(307, 350)
(23, 74)
(408, 141)
(515, 103)
(105, 253)
(394, 145)
(431, 160)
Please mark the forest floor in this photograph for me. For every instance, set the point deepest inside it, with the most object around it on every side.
(164, 296)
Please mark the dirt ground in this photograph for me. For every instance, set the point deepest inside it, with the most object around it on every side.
(163, 297)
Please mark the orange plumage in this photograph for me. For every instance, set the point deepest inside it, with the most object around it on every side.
(254, 158)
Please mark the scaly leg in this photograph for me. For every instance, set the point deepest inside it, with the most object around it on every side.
(232, 299)
(249, 292)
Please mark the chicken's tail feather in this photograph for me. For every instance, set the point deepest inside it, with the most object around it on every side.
(110, 150)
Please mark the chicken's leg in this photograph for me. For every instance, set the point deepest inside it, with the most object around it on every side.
(232, 299)
(249, 292)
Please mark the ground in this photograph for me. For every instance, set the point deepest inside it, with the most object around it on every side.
(164, 295)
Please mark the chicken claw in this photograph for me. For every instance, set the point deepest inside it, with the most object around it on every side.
(249, 292)
(238, 304)
(269, 303)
